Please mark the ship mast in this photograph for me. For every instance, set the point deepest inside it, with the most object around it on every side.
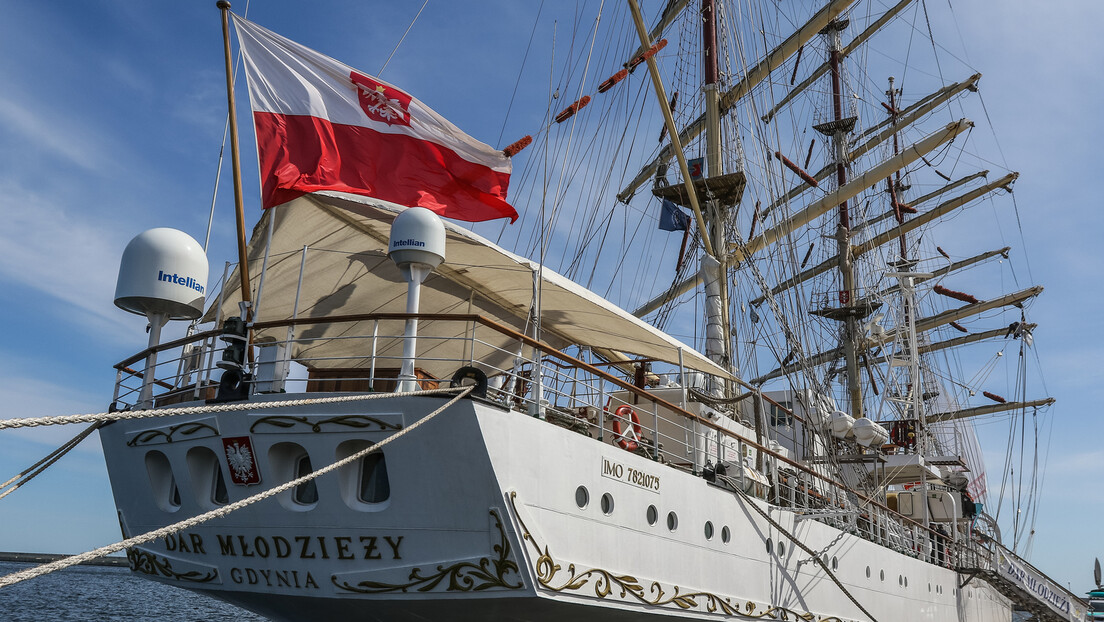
(715, 212)
(838, 130)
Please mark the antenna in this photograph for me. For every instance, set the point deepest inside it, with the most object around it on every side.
(417, 246)
(162, 275)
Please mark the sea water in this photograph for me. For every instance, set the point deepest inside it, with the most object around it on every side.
(97, 593)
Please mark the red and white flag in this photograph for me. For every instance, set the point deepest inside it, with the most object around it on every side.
(322, 125)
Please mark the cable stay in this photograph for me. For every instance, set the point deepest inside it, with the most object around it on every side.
(883, 132)
(922, 325)
(820, 207)
(894, 233)
(843, 53)
(750, 80)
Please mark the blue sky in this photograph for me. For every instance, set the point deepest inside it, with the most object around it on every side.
(111, 120)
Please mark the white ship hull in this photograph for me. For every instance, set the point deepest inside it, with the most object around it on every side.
(482, 522)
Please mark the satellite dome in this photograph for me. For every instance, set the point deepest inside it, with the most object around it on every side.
(163, 271)
(417, 237)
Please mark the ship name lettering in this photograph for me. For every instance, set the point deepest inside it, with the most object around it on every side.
(301, 547)
(273, 578)
(185, 543)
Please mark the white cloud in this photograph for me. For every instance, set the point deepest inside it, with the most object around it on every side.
(68, 257)
(53, 134)
(33, 396)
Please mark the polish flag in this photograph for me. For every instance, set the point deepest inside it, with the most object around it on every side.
(322, 125)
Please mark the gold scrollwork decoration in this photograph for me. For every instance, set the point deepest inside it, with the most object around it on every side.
(604, 583)
(148, 563)
(358, 422)
(487, 574)
(185, 429)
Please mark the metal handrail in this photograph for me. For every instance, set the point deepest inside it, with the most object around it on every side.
(573, 362)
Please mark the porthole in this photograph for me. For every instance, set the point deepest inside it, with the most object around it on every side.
(881, 575)
(929, 587)
(770, 547)
(653, 515)
(868, 572)
(672, 521)
(906, 581)
(726, 535)
(582, 497)
(901, 580)
(708, 530)
(835, 564)
(781, 549)
(607, 504)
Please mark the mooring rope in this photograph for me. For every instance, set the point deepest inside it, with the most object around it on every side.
(66, 562)
(22, 478)
(31, 422)
(751, 503)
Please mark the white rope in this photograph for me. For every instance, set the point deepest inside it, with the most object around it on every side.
(195, 410)
(66, 562)
(22, 478)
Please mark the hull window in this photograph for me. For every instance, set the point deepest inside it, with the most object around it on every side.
(374, 485)
(290, 461)
(306, 493)
(582, 497)
(162, 481)
(207, 478)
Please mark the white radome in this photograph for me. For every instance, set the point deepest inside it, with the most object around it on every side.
(417, 236)
(163, 271)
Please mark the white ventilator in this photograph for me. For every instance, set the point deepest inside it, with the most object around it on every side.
(417, 246)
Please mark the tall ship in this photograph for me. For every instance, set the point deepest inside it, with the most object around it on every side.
(713, 371)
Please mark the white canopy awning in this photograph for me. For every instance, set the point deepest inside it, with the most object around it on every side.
(347, 272)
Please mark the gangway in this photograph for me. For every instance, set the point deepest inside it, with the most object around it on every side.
(1029, 589)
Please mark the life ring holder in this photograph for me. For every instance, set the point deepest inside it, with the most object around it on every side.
(627, 413)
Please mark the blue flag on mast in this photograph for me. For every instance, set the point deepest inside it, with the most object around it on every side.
(671, 218)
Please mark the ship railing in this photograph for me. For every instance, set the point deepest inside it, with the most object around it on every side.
(576, 391)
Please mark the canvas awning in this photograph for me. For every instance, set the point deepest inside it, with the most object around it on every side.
(347, 272)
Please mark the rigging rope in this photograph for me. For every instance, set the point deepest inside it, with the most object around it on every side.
(32, 422)
(402, 38)
(22, 478)
(749, 502)
(66, 562)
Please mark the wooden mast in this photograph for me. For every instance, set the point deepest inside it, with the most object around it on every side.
(235, 156)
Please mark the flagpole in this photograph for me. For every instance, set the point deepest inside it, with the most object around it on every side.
(235, 155)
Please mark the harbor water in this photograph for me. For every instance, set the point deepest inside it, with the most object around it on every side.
(96, 593)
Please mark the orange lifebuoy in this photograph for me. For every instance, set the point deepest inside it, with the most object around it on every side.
(630, 440)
